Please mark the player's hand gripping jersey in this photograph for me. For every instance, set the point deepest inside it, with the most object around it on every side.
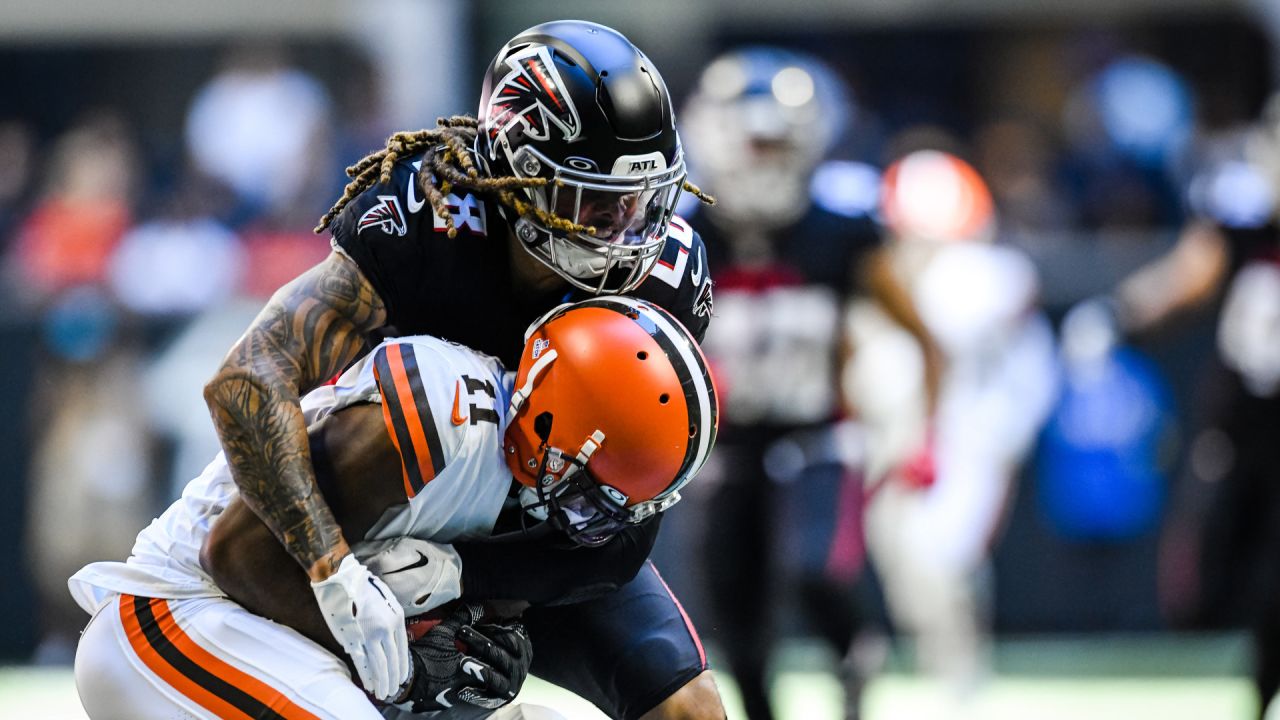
(444, 406)
(461, 288)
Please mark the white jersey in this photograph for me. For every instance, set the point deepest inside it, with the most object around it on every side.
(444, 406)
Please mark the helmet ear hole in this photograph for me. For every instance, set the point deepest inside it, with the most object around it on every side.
(542, 426)
(643, 356)
(663, 398)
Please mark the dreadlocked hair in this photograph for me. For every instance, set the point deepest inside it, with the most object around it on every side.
(451, 166)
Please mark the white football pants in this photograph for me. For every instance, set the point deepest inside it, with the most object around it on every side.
(195, 659)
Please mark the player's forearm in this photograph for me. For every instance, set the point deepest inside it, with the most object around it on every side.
(547, 571)
(308, 332)
(264, 436)
(243, 558)
(357, 472)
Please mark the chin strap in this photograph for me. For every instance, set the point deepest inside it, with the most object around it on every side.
(590, 446)
(522, 393)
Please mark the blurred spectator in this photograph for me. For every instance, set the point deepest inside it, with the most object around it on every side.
(1018, 161)
(1103, 459)
(17, 153)
(756, 129)
(91, 459)
(939, 477)
(1128, 126)
(261, 127)
(180, 262)
(82, 213)
(183, 264)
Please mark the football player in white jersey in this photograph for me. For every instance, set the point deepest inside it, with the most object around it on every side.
(611, 412)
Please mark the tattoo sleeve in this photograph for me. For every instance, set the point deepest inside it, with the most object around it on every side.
(309, 331)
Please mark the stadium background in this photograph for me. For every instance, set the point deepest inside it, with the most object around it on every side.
(1082, 624)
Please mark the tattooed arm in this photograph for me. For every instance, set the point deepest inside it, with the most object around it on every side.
(309, 331)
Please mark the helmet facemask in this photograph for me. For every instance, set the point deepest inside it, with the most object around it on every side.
(628, 213)
(567, 496)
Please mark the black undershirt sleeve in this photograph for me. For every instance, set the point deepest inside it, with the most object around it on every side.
(549, 571)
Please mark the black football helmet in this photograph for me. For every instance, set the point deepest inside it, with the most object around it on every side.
(576, 103)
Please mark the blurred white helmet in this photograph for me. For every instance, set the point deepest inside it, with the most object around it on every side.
(756, 126)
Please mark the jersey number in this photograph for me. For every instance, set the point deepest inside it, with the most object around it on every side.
(675, 255)
(477, 413)
(468, 214)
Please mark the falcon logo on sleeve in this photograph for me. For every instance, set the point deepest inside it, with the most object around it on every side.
(386, 216)
(533, 95)
(704, 305)
(408, 416)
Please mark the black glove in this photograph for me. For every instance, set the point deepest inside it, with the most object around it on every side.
(460, 662)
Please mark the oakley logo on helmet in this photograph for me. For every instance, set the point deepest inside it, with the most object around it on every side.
(532, 95)
(386, 216)
(614, 494)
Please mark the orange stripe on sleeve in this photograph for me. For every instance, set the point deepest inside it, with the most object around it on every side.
(404, 391)
(395, 441)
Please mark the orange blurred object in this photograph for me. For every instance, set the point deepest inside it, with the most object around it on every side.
(69, 242)
(932, 195)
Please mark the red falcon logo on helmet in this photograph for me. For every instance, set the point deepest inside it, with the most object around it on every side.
(533, 95)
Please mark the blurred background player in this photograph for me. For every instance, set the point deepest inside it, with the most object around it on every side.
(939, 478)
(1220, 546)
(758, 124)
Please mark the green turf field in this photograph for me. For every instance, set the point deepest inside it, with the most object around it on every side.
(1120, 678)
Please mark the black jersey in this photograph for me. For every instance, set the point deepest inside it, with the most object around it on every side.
(460, 289)
(775, 345)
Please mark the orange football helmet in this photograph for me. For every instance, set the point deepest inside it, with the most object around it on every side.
(935, 196)
(613, 411)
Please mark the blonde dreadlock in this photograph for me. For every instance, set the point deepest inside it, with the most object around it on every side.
(451, 166)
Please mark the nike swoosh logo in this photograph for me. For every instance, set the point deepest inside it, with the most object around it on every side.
(458, 418)
(440, 698)
(696, 272)
(471, 667)
(422, 560)
(413, 203)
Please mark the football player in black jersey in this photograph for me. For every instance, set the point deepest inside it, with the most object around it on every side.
(564, 185)
(758, 127)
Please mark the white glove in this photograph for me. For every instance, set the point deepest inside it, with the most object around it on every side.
(423, 575)
(365, 617)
